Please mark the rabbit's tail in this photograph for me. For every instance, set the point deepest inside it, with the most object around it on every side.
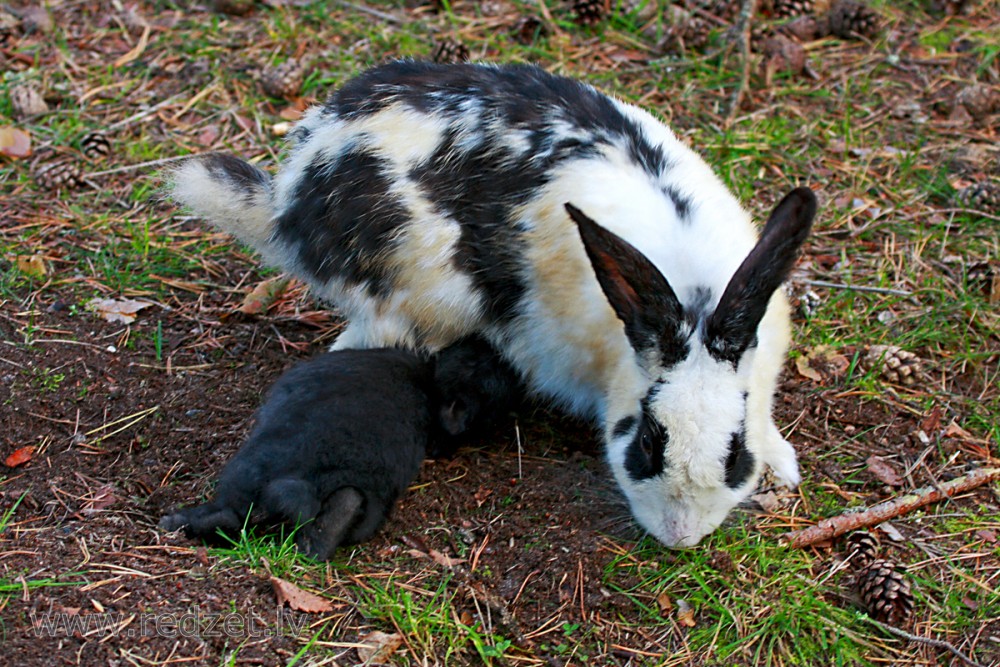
(233, 195)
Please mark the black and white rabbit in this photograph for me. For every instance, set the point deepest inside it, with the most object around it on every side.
(342, 435)
(592, 248)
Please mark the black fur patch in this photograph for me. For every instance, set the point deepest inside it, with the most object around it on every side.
(681, 203)
(644, 458)
(244, 175)
(344, 220)
(739, 461)
(646, 454)
(623, 426)
(475, 188)
(523, 97)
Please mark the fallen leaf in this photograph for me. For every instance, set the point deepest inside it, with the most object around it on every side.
(103, 498)
(987, 536)
(117, 310)
(805, 370)
(378, 647)
(685, 614)
(481, 495)
(32, 265)
(19, 457)
(444, 560)
(663, 600)
(956, 431)
(932, 422)
(263, 296)
(891, 532)
(769, 501)
(882, 471)
(209, 135)
(14, 142)
(299, 599)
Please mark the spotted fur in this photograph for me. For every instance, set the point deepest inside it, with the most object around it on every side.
(596, 251)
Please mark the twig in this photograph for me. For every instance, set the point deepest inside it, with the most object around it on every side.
(141, 165)
(936, 643)
(828, 529)
(858, 288)
(742, 30)
(369, 10)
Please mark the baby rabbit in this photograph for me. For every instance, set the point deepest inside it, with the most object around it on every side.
(342, 435)
(593, 249)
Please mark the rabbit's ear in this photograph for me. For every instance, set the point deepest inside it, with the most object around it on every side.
(639, 294)
(731, 328)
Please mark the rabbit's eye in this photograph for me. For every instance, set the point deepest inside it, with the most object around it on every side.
(644, 457)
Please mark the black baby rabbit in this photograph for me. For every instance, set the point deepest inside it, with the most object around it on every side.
(341, 436)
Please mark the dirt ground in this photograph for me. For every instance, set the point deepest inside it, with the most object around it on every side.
(92, 496)
(522, 534)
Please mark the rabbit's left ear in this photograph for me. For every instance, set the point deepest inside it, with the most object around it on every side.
(730, 330)
(639, 294)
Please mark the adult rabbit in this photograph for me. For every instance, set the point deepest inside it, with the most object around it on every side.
(593, 249)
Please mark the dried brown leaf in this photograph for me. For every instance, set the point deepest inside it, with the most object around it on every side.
(19, 457)
(443, 559)
(664, 602)
(883, 472)
(264, 295)
(379, 647)
(117, 310)
(685, 614)
(32, 265)
(298, 599)
(805, 370)
(14, 143)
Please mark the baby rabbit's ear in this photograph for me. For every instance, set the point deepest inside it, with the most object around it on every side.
(639, 294)
(454, 417)
(731, 328)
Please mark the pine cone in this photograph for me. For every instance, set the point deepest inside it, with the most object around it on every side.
(8, 28)
(283, 80)
(450, 51)
(528, 28)
(984, 277)
(27, 101)
(782, 54)
(687, 34)
(980, 100)
(862, 547)
(850, 19)
(982, 196)
(591, 12)
(953, 7)
(56, 174)
(95, 146)
(806, 28)
(895, 364)
(234, 7)
(885, 592)
(784, 9)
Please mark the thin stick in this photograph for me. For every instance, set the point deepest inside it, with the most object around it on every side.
(936, 643)
(141, 165)
(827, 529)
(742, 30)
(858, 288)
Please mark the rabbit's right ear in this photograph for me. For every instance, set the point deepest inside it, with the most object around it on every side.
(732, 327)
(637, 291)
